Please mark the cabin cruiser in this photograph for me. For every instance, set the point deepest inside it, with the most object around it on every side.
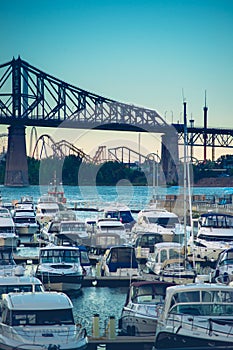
(75, 231)
(7, 262)
(8, 235)
(168, 263)
(19, 282)
(119, 261)
(60, 268)
(120, 212)
(47, 208)
(109, 232)
(223, 271)
(159, 220)
(143, 305)
(144, 244)
(40, 320)
(215, 234)
(26, 225)
(196, 316)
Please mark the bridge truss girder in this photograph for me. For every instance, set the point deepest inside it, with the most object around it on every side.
(209, 137)
(34, 98)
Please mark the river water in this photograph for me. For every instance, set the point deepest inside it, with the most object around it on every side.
(95, 300)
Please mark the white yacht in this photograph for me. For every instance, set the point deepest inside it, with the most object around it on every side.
(143, 305)
(19, 282)
(109, 232)
(26, 226)
(47, 208)
(8, 235)
(40, 320)
(196, 316)
(7, 262)
(158, 220)
(168, 263)
(120, 212)
(215, 234)
(60, 268)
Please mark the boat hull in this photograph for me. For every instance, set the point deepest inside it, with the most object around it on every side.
(167, 340)
(61, 283)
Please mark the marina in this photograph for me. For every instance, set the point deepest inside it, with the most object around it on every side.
(101, 294)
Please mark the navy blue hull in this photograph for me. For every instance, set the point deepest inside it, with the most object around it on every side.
(166, 340)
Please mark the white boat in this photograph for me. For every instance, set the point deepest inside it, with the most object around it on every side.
(7, 262)
(215, 234)
(40, 320)
(223, 269)
(19, 282)
(119, 260)
(109, 232)
(60, 268)
(8, 235)
(120, 212)
(25, 222)
(168, 263)
(47, 208)
(143, 305)
(159, 220)
(196, 316)
(75, 231)
(56, 191)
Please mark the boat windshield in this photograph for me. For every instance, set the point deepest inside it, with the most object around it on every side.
(70, 227)
(42, 317)
(217, 221)
(58, 256)
(17, 288)
(204, 303)
(147, 294)
(164, 222)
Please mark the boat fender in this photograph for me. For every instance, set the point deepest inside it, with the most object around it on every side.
(53, 347)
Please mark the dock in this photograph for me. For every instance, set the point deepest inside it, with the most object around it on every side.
(121, 342)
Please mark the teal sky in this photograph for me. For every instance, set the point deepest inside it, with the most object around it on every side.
(141, 52)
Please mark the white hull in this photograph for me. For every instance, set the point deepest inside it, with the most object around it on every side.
(38, 338)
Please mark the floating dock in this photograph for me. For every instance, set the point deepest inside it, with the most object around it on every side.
(121, 343)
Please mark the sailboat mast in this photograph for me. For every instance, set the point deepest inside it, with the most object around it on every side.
(185, 180)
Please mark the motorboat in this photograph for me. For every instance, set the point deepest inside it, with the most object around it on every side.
(40, 320)
(47, 208)
(144, 245)
(196, 316)
(109, 232)
(223, 269)
(159, 220)
(56, 191)
(119, 261)
(143, 305)
(75, 231)
(60, 268)
(26, 225)
(215, 234)
(120, 212)
(19, 282)
(8, 235)
(7, 262)
(169, 263)
(60, 239)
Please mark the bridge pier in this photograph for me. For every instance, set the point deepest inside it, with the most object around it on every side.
(170, 157)
(16, 173)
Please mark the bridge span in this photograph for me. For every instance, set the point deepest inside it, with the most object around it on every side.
(31, 97)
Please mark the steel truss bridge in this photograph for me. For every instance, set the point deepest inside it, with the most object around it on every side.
(31, 97)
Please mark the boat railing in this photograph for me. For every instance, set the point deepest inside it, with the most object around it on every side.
(34, 335)
(205, 324)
